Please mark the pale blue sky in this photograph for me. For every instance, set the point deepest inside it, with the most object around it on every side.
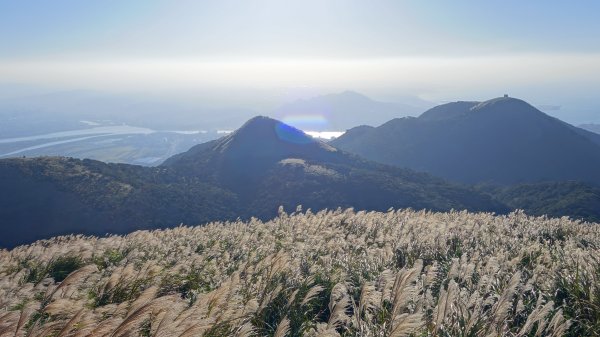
(308, 28)
(544, 51)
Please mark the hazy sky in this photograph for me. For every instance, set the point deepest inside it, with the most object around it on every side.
(547, 52)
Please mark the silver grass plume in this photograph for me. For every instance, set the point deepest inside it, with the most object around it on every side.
(283, 328)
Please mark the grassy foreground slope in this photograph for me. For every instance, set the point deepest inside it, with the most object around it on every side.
(335, 273)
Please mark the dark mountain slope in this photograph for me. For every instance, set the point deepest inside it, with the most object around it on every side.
(503, 140)
(268, 163)
(595, 128)
(43, 197)
(448, 111)
(590, 131)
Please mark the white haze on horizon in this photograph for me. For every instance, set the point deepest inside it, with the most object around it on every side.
(567, 80)
(425, 73)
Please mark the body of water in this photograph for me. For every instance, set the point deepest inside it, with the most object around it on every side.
(112, 130)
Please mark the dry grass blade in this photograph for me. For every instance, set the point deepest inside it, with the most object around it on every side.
(70, 324)
(312, 293)
(283, 328)
(75, 277)
(504, 304)
(406, 324)
(246, 330)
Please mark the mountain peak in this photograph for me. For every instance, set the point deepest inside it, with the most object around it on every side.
(262, 130)
(506, 106)
(504, 103)
(260, 142)
(352, 94)
(259, 121)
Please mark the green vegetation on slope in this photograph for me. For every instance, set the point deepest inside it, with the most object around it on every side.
(48, 196)
(554, 199)
(336, 273)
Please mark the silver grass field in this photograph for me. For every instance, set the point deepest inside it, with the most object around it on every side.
(331, 273)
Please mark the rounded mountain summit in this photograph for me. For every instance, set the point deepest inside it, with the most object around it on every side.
(503, 140)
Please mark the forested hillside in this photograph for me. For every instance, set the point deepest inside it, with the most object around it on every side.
(554, 199)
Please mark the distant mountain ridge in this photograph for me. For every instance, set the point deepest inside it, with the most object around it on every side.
(250, 172)
(503, 140)
(341, 111)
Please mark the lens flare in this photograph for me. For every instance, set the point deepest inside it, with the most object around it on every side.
(306, 121)
(290, 134)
